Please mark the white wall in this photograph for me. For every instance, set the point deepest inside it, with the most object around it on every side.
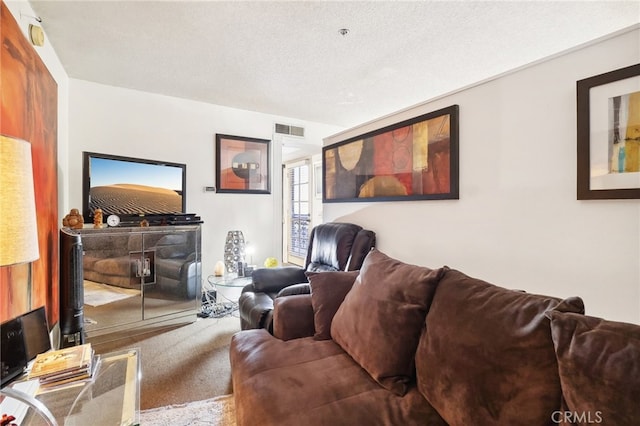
(23, 14)
(126, 122)
(517, 222)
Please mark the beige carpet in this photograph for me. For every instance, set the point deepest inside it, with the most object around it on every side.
(181, 364)
(219, 411)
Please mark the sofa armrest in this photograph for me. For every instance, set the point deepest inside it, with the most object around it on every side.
(292, 290)
(293, 317)
(270, 280)
(255, 310)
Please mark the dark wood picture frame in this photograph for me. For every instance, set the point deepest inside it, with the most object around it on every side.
(596, 178)
(243, 165)
(416, 159)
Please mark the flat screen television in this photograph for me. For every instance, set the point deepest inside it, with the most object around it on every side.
(131, 187)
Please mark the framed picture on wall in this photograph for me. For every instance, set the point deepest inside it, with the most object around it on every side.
(416, 159)
(608, 130)
(242, 165)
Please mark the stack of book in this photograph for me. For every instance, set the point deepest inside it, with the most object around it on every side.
(64, 366)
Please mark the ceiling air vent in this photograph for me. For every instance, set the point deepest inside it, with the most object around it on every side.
(285, 129)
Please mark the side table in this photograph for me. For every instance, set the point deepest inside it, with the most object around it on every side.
(227, 292)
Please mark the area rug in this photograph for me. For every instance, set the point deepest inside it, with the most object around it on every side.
(96, 294)
(218, 411)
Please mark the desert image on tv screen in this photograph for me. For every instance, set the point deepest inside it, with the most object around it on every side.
(129, 188)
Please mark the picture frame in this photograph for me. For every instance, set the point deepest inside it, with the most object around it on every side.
(415, 159)
(243, 165)
(608, 135)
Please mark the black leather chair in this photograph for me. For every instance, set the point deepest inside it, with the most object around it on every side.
(333, 246)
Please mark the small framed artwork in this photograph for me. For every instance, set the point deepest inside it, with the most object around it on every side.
(242, 165)
(416, 159)
(608, 130)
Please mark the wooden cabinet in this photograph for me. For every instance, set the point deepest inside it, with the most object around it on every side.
(136, 276)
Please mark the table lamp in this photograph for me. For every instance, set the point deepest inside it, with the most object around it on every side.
(234, 251)
(19, 229)
(18, 225)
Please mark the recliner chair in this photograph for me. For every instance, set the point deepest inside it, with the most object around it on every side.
(333, 246)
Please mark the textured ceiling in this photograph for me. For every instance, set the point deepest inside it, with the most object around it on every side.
(289, 59)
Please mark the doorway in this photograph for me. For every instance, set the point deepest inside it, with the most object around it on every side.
(302, 206)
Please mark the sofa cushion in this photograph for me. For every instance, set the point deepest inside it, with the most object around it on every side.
(599, 364)
(310, 382)
(486, 355)
(328, 290)
(380, 321)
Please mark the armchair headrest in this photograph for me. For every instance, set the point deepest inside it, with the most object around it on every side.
(331, 246)
(362, 245)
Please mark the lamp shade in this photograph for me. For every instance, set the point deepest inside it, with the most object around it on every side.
(18, 226)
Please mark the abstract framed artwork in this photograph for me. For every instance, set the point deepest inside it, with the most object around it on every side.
(29, 111)
(608, 135)
(416, 159)
(242, 165)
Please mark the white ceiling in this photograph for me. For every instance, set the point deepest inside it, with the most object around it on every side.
(289, 59)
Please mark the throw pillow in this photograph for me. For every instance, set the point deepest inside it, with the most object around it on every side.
(599, 364)
(328, 290)
(486, 355)
(381, 318)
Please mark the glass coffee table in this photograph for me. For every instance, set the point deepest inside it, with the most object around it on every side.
(111, 398)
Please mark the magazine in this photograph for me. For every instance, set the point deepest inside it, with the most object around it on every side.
(63, 363)
(71, 378)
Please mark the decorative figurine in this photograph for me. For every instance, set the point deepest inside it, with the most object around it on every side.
(73, 220)
(97, 218)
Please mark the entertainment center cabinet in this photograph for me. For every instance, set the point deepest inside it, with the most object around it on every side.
(138, 276)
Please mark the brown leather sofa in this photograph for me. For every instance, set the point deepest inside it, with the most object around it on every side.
(397, 344)
(333, 246)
